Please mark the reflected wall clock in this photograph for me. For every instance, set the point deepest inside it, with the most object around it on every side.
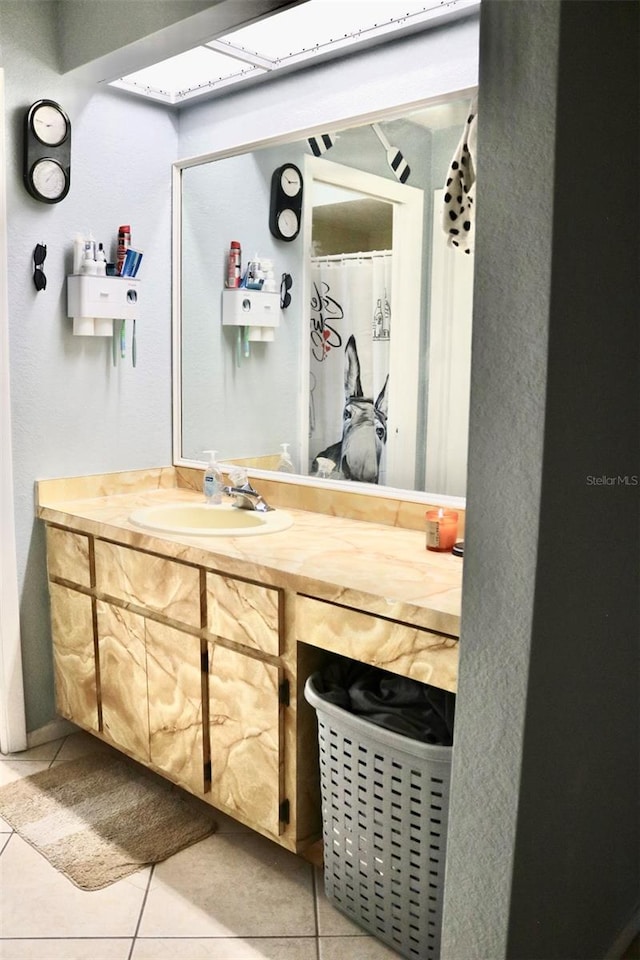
(47, 151)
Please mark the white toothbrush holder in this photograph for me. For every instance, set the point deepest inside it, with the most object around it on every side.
(95, 302)
(256, 309)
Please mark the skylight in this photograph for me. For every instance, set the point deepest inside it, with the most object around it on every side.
(311, 31)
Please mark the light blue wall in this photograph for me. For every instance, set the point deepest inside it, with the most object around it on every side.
(72, 412)
(245, 407)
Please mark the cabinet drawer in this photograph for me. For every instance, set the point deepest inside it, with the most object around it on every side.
(247, 613)
(68, 556)
(411, 652)
(164, 586)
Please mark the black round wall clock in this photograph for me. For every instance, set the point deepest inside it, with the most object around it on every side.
(286, 202)
(47, 151)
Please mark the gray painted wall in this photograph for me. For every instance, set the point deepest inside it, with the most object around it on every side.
(543, 845)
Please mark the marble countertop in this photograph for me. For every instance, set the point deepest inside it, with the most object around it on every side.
(373, 567)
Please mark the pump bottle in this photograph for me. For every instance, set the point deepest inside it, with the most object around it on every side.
(285, 463)
(212, 482)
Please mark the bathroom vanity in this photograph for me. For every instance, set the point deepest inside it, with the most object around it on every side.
(190, 653)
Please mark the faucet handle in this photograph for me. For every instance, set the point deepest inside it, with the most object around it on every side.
(238, 476)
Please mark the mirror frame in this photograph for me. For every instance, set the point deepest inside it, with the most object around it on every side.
(341, 123)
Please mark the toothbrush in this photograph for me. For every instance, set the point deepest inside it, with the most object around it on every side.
(134, 351)
(122, 340)
(114, 345)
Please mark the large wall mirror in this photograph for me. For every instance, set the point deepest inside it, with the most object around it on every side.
(362, 369)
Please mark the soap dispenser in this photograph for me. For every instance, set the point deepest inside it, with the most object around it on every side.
(285, 463)
(212, 483)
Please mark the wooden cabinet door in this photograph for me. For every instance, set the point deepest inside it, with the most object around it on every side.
(246, 736)
(123, 679)
(174, 678)
(74, 656)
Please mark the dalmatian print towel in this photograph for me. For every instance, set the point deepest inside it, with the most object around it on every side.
(458, 212)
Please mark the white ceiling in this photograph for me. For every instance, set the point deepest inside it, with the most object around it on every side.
(313, 30)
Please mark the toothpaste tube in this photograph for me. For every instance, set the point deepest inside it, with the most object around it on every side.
(131, 263)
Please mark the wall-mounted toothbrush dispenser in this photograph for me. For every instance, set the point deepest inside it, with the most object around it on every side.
(95, 302)
(255, 309)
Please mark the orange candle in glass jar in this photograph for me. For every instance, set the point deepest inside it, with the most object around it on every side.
(442, 529)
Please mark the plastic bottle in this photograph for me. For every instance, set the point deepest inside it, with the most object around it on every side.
(89, 248)
(124, 242)
(285, 463)
(212, 483)
(78, 252)
(254, 276)
(88, 267)
(234, 264)
(101, 261)
(269, 285)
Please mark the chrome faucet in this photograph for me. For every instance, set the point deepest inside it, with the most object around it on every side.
(246, 498)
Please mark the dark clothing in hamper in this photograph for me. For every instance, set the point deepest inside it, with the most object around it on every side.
(398, 703)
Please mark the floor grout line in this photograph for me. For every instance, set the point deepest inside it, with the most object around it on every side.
(142, 906)
(316, 892)
(55, 756)
(316, 909)
(4, 845)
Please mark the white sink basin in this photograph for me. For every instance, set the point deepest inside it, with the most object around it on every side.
(210, 520)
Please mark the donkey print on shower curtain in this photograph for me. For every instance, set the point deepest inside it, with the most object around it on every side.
(349, 365)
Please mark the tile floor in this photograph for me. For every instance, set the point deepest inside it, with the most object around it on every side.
(233, 896)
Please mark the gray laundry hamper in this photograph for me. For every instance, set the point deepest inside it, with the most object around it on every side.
(385, 801)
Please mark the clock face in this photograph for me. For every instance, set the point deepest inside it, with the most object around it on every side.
(291, 181)
(49, 124)
(49, 179)
(288, 223)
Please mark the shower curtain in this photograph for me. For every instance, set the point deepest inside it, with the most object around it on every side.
(350, 297)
